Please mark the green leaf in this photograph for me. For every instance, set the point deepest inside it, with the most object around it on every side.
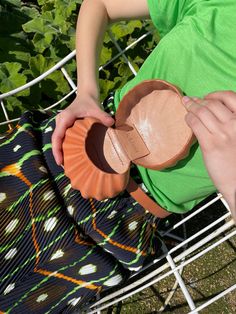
(124, 70)
(35, 99)
(64, 8)
(11, 20)
(122, 29)
(48, 6)
(105, 55)
(106, 86)
(16, 3)
(40, 25)
(55, 85)
(13, 104)
(107, 38)
(31, 12)
(10, 78)
(14, 49)
(71, 42)
(39, 64)
(45, 2)
(42, 42)
(71, 69)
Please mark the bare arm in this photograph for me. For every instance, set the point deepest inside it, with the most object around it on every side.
(93, 19)
(92, 22)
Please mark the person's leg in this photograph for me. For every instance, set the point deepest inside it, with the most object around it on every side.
(41, 246)
(46, 263)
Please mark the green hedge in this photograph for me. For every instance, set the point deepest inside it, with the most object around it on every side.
(35, 35)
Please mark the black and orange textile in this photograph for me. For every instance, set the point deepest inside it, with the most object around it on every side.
(57, 249)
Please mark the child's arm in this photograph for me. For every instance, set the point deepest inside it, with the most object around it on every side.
(94, 16)
(213, 120)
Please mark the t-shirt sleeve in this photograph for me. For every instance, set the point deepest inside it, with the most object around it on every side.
(165, 14)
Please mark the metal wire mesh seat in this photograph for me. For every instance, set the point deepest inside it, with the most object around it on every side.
(187, 238)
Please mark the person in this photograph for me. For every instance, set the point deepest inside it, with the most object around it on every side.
(213, 121)
(77, 247)
(196, 52)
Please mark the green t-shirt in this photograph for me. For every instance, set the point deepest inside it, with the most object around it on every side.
(197, 52)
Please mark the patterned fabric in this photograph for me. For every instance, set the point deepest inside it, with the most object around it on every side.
(57, 249)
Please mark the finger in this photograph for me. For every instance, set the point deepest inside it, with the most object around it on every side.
(201, 132)
(104, 117)
(221, 112)
(62, 123)
(202, 112)
(190, 102)
(228, 98)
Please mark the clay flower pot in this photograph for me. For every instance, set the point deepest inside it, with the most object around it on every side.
(150, 131)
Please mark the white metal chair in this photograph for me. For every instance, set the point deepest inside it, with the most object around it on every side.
(187, 248)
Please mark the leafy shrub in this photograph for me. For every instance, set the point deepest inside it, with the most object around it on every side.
(35, 35)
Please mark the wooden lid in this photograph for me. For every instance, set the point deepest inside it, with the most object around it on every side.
(155, 109)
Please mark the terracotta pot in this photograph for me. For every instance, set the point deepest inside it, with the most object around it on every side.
(150, 131)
